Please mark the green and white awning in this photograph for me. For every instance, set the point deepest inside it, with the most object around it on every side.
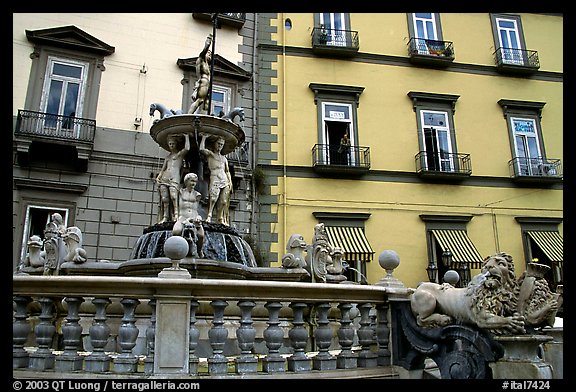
(460, 245)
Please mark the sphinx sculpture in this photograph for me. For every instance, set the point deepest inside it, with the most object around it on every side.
(494, 300)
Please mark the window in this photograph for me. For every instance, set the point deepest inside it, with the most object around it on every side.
(437, 146)
(509, 40)
(528, 151)
(63, 92)
(220, 100)
(436, 135)
(426, 35)
(543, 244)
(337, 115)
(449, 247)
(335, 27)
(337, 120)
(37, 217)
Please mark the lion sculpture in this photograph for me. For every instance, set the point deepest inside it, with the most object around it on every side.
(489, 301)
(294, 258)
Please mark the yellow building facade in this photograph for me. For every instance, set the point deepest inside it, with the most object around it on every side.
(455, 123)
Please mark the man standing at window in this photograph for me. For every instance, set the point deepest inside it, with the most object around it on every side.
(344, 149)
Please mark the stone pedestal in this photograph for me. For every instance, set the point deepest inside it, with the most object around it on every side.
(554, 351)
(521, 360)
(172, 335)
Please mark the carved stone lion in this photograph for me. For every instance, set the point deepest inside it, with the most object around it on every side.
(294, 258)
(489, 301)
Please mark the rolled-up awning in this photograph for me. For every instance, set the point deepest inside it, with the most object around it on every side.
(550, 242)
(352, 241)
(460, 245)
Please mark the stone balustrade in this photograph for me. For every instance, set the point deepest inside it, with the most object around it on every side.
(159, 327)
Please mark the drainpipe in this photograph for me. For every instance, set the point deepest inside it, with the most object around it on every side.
(284, 177)
(254, 122)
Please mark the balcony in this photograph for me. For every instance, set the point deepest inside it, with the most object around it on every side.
(430, 52)
(50, 129)
(443, 165)
(334, 42)
(516, 61)
(327, 159)
(232, 19)
(87, 326)
(535, 169)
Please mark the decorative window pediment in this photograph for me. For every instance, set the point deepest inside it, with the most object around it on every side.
(69, 37)
(222, 67)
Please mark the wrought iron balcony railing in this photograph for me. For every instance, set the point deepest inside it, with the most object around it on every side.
(443, 164)
(56, 127)
(516, 60)
(326, 157)
(430, 51)
(539, 169)
(333, 41)
(233, 19)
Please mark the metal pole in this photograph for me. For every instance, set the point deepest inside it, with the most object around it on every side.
(214, 23)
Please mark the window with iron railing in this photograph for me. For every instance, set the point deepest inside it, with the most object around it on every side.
(58, 127)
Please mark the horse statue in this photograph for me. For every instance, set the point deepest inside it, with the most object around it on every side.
(236, 112)
(163, 110)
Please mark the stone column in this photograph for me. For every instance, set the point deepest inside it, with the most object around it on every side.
(43, 358)
(218, 363)
(323, 334)
(246, 336)
(299, 361)
(274, 336)
(346, 359)
(383, 335)
(127, 362)
(171, 343)
(366, 358)
(150, 337)
(70, 360)
(194, 336)
(554, 350)
(98, 361)
(20, 330)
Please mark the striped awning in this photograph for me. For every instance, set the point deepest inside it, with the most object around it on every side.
(352, 241)
(550, 242)
(460, 245)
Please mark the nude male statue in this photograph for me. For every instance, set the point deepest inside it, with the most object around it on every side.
(220, 187)
(169, 179)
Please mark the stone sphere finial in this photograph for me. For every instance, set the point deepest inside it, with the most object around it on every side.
(176, 247)
(451, 277)
(389, 260)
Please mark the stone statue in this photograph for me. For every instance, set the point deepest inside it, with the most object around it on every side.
(220, 186)
(170, 176)
(236, 112)
(202, 85)
(73, 240)
(489, 301)
(54, 246)
(294, 257)
(319, 256)
(163, 110)
(35, 257)
(536, 302)
(189, 223)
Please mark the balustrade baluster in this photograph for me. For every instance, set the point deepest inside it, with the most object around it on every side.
(299, 361)
(274, 336)
(323, 334)
(70, 360)
(194, 335)
(126, 361)
(150, 339)
(246, 335)
(346, 359)
(383, 335)
(20, 330)
(366, 358)
(43, 358)
(98, 361)
(218, 363)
